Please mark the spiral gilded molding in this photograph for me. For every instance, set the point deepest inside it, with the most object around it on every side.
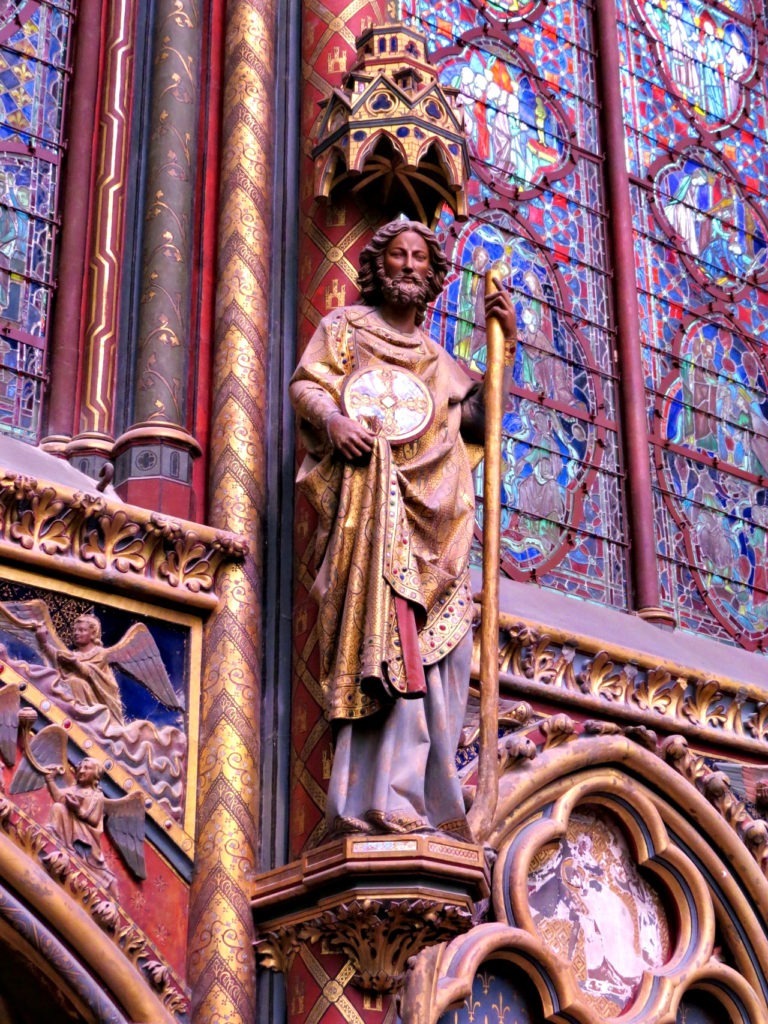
(221, 962)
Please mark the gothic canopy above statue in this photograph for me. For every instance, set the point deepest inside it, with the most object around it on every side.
(392, 134)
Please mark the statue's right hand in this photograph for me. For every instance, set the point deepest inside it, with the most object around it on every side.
(349, 437)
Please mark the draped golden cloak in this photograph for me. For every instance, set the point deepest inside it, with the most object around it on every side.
(398, 523)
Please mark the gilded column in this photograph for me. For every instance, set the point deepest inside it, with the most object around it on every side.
(92, 445)
(158, 446)
(221, 963)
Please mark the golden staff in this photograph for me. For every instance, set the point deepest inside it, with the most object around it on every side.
(480, 815)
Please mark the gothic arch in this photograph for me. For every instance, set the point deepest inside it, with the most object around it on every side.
(47, 925)
(698, 896)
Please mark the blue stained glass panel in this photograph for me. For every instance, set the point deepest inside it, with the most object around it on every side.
(696, 120)
(707, 54)
(537, 219)
(21, 383)
(699, 210)
(443, 22)
(33, 74)
(514, 128)
(717, 225)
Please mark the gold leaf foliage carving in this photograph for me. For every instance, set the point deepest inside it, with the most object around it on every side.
(701, 707)
(114, 544)
(90, 536)
(535, 661)
(602, 678)
(39, 525)
(277, 949)
(557, 730)
(379, 936)
(659, 691)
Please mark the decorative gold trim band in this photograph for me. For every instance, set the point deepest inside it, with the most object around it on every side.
(104, 541)
(579, 672)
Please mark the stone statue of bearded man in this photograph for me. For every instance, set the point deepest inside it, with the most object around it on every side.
(386, 415)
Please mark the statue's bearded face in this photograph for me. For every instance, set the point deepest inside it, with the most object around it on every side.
(405, 270)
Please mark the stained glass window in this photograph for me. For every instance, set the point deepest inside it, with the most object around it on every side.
(34, 40)
(692, 76)
(526, 81)
(695, 109)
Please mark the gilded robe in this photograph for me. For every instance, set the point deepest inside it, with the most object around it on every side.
(83, 822)
(93, 682)
(400, 523)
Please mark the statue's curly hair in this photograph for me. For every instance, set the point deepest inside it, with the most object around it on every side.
(369, 275)
(94, 623)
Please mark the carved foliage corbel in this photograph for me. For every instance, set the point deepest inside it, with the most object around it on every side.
(378, 936)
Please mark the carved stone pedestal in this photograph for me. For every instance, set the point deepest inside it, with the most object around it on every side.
(342, 922)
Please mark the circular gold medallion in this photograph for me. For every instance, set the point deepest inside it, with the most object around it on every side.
(390, 401)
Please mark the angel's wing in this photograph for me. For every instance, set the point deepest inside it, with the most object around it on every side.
(124, 822)
(18, 620)
(9, 722)
(49, 749)
(137, 655)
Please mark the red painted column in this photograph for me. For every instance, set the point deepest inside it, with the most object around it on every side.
(204, 267)
(92, 445)
(631, 377)
(66, 336)
(154, 457)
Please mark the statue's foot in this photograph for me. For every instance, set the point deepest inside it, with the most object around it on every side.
(343, 825)
(456, 829)
(397, 824)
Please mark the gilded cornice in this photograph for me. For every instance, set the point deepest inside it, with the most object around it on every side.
(592, 677)
(60, 530)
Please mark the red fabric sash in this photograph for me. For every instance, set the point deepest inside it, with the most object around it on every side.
(409, 638)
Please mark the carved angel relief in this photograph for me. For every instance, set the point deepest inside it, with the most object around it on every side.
(87, 671)
(88, 682)
(80, 810)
